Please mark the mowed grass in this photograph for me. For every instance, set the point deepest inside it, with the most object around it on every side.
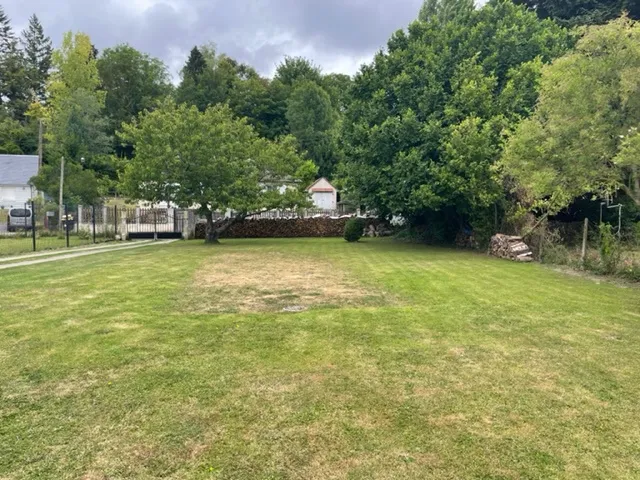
(23, 243)
(154, 363)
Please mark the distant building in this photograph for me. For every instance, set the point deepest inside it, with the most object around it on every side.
(324, 195)
(15, 173)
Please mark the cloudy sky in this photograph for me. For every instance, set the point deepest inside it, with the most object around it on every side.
(338, 35)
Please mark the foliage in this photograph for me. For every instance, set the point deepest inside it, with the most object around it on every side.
(38, 56)
(581, 138)
(311, 120)
(297, 69)
(14, 82)
(353, 230)
(133, 82)
(424, 128)
(212, 161)
(610, 249)
(582, 12)
(76, 125)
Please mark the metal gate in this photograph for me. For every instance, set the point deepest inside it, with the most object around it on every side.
(155, 223)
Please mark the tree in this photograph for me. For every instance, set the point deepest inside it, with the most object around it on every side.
(37, 52)
(297, 69)
(211, 82)
(214, 161)
(582, 12)
(195, 65)
(263, 103)
(76, 124)
(311, 120)
(14, 83)
(338, 87)
(133, 82)
(583, 136)
(423, 130)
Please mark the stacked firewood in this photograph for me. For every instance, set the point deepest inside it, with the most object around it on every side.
(512, 248)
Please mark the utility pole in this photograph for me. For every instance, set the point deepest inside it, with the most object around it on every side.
(60, 206)
(40, 153)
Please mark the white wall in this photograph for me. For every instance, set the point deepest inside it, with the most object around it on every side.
(15, 195)
(324, 200)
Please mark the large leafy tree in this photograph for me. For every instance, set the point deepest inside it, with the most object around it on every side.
(583, 137)
(423, 129)
(582, 12)
(297, 69)
(37, 53)
(209, 78)
(213, 161)
(76, 125)
(311, 120)
(133, 82)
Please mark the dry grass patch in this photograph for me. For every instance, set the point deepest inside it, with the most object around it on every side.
(253, 282)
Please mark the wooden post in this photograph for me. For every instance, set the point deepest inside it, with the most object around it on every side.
(584, 240)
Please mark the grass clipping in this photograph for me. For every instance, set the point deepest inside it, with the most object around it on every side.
(246, 282)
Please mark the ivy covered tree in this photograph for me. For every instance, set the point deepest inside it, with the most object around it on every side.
(583, 137)
(424, 127)
(213, 161)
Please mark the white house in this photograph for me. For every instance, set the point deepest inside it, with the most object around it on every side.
(323, 194)
(15, 173)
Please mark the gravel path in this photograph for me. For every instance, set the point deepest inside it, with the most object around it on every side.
(84, 253)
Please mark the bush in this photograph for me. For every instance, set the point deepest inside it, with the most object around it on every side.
(353, 230)
(610, 251)
(630, 270)
(636, 233)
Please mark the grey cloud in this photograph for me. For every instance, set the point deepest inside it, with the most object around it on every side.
(334, 33)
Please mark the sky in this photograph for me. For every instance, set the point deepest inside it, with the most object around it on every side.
(338, 35)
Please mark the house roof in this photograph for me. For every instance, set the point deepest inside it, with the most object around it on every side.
(313, 187)
(17, 169)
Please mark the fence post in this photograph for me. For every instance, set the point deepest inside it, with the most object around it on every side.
(584, 240)
(115, 221)
(93, 221)
(34, 222)
(155, 224)
(66, 223)
(104, 221)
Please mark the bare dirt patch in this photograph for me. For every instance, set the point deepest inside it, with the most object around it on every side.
(251, 282)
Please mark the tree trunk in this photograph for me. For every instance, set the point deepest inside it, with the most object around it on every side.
(211, 234)
(213, 231)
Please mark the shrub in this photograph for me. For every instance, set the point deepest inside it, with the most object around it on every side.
(630, 270)
(636, 233)
(353, 230)
(610, 251)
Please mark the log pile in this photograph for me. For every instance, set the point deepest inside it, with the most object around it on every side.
(289, 228)
(511, 248)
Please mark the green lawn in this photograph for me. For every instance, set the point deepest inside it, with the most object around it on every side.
(23, 243)
(411, 362)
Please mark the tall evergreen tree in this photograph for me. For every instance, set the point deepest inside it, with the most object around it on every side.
(195, 65)
(37, 53)
(14, 87)
(7, 37)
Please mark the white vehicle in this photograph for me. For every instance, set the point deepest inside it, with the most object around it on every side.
(19, 219)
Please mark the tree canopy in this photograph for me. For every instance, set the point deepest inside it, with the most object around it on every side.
(132, 81)
(212, 161)
(583, 137)
(582, 12)
(424, 127)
